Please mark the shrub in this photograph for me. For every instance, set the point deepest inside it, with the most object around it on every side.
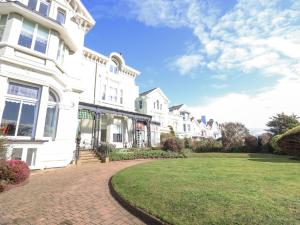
(3, 147)
(173, 144)
(289, 142)
(188, 143)
(207, 145)
(18, 171)
(118, 155)
(264, 141)
(164, 137)
(275, 147)
(105, 149)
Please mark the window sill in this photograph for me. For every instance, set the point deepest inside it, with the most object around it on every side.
(12, 140)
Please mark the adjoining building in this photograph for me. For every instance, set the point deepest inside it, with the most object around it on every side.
(53, 89)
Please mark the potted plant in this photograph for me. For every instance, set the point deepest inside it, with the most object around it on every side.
(104, 151)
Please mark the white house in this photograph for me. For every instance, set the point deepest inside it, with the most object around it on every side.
(50, 83)
(155, 103)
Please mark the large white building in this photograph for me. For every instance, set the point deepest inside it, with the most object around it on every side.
(53, 89)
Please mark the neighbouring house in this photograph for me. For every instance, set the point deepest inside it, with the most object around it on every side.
(155, 103)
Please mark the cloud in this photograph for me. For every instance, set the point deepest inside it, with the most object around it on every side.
(253, 111)
(187, 63)
(251, 36)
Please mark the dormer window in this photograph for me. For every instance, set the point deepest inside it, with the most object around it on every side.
(114, 67)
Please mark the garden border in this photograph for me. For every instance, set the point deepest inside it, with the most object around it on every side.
(139, 213)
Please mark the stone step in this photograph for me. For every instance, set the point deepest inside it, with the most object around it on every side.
(89, 161)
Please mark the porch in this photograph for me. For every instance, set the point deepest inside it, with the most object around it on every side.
(124, 129)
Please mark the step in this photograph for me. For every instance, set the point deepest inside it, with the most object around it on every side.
(89, 161)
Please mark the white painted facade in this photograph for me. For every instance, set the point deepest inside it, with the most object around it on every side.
(37, 57)
(49, 80)
(155, 103)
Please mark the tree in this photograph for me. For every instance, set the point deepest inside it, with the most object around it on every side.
(281, 123)
(233, 134)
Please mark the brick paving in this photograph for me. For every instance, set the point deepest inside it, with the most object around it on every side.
(67, 196)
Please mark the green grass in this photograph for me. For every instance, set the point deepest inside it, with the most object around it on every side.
(216, 188)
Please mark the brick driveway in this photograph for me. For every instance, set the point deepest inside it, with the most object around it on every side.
(67, 196)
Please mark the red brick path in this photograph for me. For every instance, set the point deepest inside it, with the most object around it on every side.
(67, 196)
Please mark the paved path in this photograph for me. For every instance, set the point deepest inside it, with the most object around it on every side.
(66, 196)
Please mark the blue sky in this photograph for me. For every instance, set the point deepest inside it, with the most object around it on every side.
(233, 60)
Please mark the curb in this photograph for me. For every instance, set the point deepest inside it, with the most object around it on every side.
(137, 212)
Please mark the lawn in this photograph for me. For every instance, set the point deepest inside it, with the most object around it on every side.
(216, 188)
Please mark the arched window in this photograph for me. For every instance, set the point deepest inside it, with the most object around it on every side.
(157, 104)
(51, 116)
(114, 67)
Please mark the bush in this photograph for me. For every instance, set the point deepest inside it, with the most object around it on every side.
(289, 142)
(207, 145)
(275, 147)
(18, 171)
(105, 149)
(264, 141)
(118, 155)
(173, 144)
(165, 136)
(188, 143)
(3, 148)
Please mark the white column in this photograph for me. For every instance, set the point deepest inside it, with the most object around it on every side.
(42, 113)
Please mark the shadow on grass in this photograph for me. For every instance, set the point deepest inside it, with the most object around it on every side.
(271, 158)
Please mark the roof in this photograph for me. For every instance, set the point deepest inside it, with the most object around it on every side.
(175, 107)
(147, 92)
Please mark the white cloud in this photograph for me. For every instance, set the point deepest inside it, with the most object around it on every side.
(256, 35)
(187, 63)
(253, 111)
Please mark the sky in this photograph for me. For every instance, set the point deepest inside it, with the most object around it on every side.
(231, 60)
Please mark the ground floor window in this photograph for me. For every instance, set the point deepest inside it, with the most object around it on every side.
(117, 133)
(18, 118)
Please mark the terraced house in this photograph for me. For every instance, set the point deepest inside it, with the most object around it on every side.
(53, 89)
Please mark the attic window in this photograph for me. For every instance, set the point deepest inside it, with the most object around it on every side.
(114, 67)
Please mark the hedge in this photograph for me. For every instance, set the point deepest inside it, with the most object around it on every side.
(118, 155)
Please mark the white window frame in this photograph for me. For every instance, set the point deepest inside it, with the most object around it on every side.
(63, 12)
(3, 26)
(21, 100)
(55, 105)
(34, 37)
(45, 2)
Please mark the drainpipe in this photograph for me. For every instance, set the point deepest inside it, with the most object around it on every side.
(95, 81)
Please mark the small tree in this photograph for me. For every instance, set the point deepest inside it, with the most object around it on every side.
(281, 123)
(233, 134)
(3, 147)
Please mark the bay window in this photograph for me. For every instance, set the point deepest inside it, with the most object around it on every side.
(3, 19)
(19, 115)
(51, 116)
(34, 36)
(61, 52)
